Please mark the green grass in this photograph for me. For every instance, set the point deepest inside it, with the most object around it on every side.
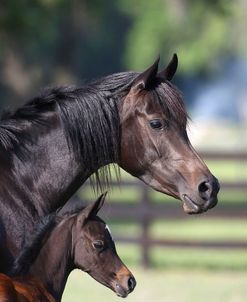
(164, 286)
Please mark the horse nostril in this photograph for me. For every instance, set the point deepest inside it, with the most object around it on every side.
(203, 187)
(205, 190)
(131, 283)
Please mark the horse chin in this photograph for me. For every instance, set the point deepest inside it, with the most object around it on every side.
(157, 186)
(191, 207)
(120, 291)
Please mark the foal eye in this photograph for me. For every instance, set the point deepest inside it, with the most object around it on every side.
(98, 244)
(156, 124)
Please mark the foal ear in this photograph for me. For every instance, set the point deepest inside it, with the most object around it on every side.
(92, 209)
(169, 71)
(146, 78)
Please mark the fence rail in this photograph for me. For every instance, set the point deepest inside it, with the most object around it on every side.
(145, 212)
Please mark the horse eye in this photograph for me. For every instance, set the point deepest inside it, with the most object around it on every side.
(156, 124)
(98, 244)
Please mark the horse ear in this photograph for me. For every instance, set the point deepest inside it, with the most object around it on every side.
(92, 209)
(169, 71)
(146, 78)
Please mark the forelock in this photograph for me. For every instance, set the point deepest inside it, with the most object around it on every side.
(171, 101)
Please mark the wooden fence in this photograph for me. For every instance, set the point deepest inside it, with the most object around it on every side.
(145, 212)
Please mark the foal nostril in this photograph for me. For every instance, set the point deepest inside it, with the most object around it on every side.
(131, 283)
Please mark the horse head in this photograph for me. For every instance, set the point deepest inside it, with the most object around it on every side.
(154, 143)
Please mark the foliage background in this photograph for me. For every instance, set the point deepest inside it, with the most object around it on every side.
(47, 42)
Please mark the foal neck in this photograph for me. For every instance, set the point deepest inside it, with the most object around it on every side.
(54, 262)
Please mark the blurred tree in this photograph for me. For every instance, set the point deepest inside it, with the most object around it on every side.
(200, 31)
(47, 42)
(57, 41)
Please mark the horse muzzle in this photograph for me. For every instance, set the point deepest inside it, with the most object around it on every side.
(125, 287)
(204, 199)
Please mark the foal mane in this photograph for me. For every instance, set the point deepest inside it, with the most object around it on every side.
(89, 117)
(35, 242)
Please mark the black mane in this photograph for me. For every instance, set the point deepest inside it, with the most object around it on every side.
(89, 117)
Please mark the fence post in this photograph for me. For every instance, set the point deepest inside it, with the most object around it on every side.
(145, 223)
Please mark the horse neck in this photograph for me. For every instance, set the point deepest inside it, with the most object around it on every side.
(54, 262)
(50, 176)
(66, 154)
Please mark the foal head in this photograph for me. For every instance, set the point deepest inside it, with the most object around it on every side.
(73, 237)
(94, 251)
(154, 142)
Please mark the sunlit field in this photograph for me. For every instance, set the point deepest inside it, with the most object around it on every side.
(165, 286)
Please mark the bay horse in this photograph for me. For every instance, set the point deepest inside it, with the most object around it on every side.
(52, 144)
(63, 242)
